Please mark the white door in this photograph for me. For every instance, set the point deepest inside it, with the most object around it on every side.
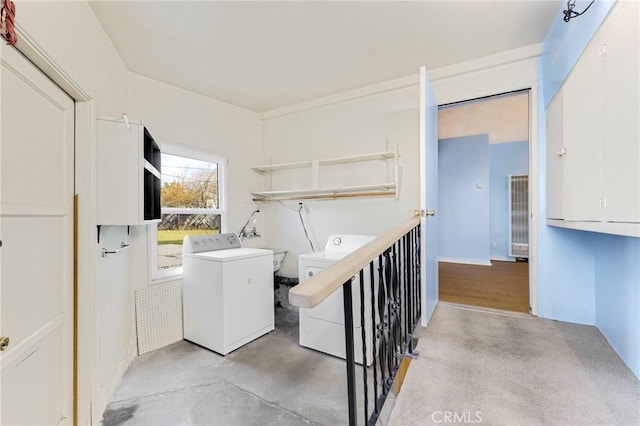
(36, 255)
(428, 195)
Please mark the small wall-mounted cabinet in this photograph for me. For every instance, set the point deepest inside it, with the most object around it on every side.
(318, 191)
(593, 133)
(128, 179)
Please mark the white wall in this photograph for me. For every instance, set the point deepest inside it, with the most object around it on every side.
(178, 116)
(69, 33)
(368, 124)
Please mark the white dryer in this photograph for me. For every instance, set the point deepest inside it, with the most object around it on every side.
(227, 292)
(322, 327)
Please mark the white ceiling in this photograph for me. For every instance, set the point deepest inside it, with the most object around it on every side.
(263, 55)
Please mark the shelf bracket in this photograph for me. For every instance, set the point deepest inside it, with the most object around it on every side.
(99, 227)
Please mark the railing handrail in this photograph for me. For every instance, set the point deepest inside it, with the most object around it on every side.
(311, 292)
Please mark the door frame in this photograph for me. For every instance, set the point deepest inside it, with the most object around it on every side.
(84, 182)
(516, 70)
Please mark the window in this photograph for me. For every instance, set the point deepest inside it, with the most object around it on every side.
(192, 203)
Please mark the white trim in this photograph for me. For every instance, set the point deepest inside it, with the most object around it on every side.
(475, 65)
(188, 151)
(534, 173)
(35, 54)
(185, 210)
(487, 62)
(423, 196)
(478, 262)
(87, 243)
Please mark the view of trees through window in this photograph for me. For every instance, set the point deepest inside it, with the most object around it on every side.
(190, 205)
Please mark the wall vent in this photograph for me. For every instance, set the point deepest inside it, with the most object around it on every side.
(519, 216)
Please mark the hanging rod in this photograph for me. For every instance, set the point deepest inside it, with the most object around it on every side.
(106, 252)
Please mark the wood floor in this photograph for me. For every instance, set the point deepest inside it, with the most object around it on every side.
(504, 285)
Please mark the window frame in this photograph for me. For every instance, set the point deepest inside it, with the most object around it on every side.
(157, 275)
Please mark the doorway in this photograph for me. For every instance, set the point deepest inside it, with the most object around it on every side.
(483, 244)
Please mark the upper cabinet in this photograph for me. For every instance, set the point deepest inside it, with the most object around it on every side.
(128, 179)
(593, 133)
(555, 160)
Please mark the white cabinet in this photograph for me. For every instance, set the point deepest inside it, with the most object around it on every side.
(621, 114)
(582, 132)
(128, 180)
(384, 186)
(593, 133)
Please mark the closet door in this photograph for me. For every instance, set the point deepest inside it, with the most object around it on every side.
(555, 158)
(582, 113)
(621, 114)
(36, 254)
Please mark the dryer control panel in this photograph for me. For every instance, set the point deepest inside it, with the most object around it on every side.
(210, 242)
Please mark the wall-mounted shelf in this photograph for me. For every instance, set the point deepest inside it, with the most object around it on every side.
(344, 192)
(318, 192)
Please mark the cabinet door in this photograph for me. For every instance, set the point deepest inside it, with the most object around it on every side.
(621, 112)
(555, 158)
(582, 112)
(118, 173)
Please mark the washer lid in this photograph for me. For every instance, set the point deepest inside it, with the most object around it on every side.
(229, 255)
(324, 256)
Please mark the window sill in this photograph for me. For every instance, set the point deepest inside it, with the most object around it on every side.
(172, 276)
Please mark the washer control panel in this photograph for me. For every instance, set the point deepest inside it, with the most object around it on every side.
(210, 242)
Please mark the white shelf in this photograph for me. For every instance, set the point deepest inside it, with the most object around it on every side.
(390, 158)
(344, 192)
(358, 158)
(326, 162)
(284, 166)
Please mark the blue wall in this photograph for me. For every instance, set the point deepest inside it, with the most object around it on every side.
(617, 271)
(463, 224)
(504, 159)
(584, 277)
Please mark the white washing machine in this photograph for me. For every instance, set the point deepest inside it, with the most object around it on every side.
(227, 292)
(322, 327)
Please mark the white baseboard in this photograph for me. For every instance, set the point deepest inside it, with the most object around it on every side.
(465, 261)
(503, 258)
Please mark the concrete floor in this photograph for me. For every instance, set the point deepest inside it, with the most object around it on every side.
(270, 381)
